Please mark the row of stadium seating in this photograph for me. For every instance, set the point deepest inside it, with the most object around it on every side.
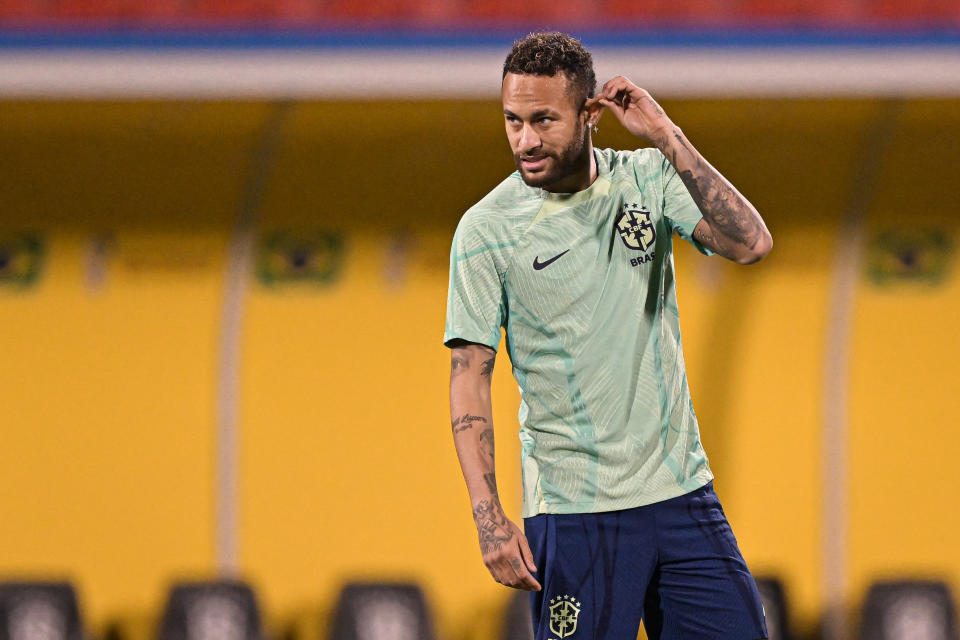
(462, 12)
(228, 610)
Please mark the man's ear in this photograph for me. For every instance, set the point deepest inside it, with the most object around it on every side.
(594, 109)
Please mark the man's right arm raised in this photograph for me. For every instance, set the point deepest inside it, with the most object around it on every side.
(503, 545)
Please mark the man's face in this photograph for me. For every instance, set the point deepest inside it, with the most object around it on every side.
(546, 130)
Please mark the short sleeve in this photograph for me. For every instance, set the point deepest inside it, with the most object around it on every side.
(475, 301)
(679, 208)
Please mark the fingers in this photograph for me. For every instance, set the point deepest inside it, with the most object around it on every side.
(527, 554)
(507, 566)
(513, 572)
(615, 107)
(635, 108)
(622, 92)
(523, 578)
(618, 85)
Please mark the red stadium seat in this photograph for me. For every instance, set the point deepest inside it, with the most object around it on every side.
(300, 11)
(638, 13)
(233, 10)
(475, 13)
(21, 9)
(111, 10)
(165, 11)
(389, 9)
(800, 11)
(924, 11)
(87, 9)
(539, 11)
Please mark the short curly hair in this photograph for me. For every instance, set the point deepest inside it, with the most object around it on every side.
(550, 53)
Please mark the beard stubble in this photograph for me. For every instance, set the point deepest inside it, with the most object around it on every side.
(565, 164)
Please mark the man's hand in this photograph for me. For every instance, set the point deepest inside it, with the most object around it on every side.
(636, 110)
(731, 225)
(504, 547)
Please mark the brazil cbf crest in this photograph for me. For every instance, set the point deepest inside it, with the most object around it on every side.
(635, 227)
(564, 611)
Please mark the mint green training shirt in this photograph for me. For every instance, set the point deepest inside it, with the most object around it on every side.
(583, 285)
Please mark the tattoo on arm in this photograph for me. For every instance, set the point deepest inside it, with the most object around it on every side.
(492, 525)
(486, 367)
(724, 208)
(459, 363)
(486, 444)
(491, 479)
(703, 235)
(466, 421)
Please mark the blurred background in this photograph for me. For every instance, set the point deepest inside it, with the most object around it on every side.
(224, 241)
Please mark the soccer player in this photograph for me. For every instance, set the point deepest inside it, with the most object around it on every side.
(572, 256)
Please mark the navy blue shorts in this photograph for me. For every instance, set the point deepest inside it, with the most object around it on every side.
(675, 565)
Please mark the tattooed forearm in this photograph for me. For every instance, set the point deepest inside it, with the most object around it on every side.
(491, 479)
(492, 525)
(466, 421)
(486, 444)
(733, 222)
(722, 206)
(486, 367)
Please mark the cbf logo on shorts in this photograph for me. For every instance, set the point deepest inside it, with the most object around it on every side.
(635, 228)
(563, 615)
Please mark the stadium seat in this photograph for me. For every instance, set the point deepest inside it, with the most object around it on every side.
(82, 10)
(216, 610)
(908, 610)
(517, 622)
(299, 11)
(774, 599)
(633, 13)
(379, 10)
(938, 12)
(230, 10)
(377, 610)
(506, 10)
(804, 11)
(39, 610)
(21, 10)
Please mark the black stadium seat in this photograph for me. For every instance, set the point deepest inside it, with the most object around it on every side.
(517, 621)
(775, 606)
(908, 610)
(39, 611)
(378, 611)
(217, 610)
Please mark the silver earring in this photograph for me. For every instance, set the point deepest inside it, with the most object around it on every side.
(595, 128)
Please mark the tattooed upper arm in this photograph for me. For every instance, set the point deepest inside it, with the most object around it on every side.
(459, 362)
(486, 367)
(468, 356)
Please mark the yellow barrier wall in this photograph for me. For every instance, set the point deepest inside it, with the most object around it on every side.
(904, 399)
(108, 389)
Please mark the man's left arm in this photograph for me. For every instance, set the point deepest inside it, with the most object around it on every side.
(731, 225)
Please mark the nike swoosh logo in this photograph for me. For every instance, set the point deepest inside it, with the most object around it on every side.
(540, 265)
